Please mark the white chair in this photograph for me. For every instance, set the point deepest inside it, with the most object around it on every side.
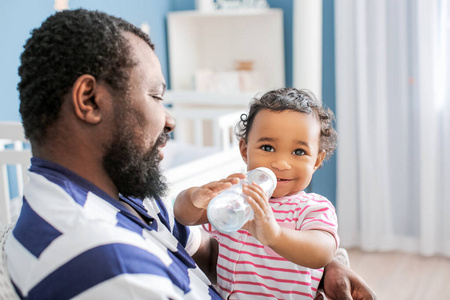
(7, 291)
(13, 154)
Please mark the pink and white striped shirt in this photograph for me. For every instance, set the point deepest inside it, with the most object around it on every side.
(248, 270)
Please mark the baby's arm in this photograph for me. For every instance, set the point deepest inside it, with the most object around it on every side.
(190, 205)
(309, 248)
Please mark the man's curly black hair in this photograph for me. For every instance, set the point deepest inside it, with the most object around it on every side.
(67, 45)
(296, 100)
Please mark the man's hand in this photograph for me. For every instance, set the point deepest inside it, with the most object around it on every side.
(340, 282)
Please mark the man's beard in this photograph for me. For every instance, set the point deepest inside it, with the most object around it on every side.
(135, 173)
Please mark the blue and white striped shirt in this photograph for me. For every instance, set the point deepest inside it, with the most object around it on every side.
(72, 240)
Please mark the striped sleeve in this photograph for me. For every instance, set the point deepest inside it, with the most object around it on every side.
(107, 265)
(318, 214)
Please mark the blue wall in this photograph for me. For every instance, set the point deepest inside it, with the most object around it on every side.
(324, 180)
(18, 18)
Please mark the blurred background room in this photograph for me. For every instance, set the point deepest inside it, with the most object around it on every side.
(382, 66)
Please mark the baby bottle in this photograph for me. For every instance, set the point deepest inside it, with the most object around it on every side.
(229, 211)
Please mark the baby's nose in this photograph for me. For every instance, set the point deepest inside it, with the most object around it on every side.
(280, 164)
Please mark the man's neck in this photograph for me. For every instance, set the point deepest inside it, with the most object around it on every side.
(89, 167)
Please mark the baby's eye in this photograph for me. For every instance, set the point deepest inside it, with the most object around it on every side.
(267, 148)
(299, 152)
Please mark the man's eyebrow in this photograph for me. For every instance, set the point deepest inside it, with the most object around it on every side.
(158, 87)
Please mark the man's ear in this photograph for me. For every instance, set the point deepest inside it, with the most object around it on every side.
(243, 148)
(85, 99)
(319, 159)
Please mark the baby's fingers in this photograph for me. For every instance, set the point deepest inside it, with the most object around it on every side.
(220, 185)
(256, 197)
(255, 188)
(203, 194)
(236, 176)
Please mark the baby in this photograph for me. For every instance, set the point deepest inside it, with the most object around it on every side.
(282, 251)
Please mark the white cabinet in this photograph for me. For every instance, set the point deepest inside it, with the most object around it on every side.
(217, 41)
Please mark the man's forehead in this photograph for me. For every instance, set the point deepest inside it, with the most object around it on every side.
(136, 43)
(146, 60)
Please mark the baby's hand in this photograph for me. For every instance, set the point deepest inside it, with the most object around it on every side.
(264, 226)
(202, 195)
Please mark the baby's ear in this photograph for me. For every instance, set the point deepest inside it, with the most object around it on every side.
(319, 160)
(243, 149)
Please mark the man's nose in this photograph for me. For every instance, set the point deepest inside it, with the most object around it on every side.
(170, 123)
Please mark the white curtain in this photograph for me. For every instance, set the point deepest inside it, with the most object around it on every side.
(307, 45)
(393, 119)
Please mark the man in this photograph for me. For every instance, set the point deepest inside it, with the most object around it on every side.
(91, 94)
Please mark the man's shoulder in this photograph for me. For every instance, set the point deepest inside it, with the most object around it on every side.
(83, 257)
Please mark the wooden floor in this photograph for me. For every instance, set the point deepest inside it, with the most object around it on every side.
(403, 276)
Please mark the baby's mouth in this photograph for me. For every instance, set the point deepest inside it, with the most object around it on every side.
(282, 179)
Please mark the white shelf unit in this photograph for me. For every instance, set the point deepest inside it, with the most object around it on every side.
(191, 98)
(217, 40)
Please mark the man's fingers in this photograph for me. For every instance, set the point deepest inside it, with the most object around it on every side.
(342, 290)
(319, 296)
(364, 294)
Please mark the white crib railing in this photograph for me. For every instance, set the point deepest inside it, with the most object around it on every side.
(205, 127)
(14, 162)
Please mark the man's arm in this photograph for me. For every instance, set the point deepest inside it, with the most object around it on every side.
(340, 282)
(206, 256)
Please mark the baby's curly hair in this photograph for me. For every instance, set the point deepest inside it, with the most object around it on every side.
(296, 100)
(67, 45)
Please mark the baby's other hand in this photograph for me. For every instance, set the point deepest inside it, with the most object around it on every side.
(202, 195)
(263, 226)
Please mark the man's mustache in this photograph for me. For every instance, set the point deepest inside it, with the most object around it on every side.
(162, 139)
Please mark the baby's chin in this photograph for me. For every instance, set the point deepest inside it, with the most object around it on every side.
(279, 194)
